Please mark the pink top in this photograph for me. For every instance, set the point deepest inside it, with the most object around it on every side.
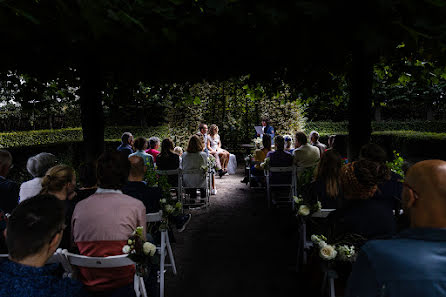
(101, 225)
(154, 153)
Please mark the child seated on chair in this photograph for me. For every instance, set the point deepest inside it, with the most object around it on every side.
(34, 232)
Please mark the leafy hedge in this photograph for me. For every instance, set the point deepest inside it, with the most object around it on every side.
(325, 128)
(47, 137)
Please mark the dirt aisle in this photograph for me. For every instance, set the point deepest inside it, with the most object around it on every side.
(238, 247)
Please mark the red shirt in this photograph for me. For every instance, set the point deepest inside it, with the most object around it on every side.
(154, 153)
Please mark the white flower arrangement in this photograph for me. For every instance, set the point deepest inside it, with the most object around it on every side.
(126, 249)
(149, 248)
(265, 164)
(163, 201)
(303, 210)
(341, 252)
(257, 142)
(169, 208)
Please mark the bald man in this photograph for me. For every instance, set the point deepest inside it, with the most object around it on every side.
(413, 263)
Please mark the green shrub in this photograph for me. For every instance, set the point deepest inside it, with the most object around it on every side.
(46, 137)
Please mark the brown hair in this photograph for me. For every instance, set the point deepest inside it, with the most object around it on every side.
(266, 141)
(301, 137)
(139, 143)
(56, 178)
(328, 170)
(166, 147)
(212, 129)
(195, 145)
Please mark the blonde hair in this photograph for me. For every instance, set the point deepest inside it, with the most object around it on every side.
(212, 129)
(178, 150)
(56, 178)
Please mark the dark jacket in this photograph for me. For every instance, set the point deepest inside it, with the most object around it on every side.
(171, 161)
(413, 263)
(125, 149)
(280, 158)
(150, 196)
(9, 194)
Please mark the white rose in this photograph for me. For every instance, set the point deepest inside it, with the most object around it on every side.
(315, 238)
(328, 252)
(163, 201)
(169, 209)
(126, 249)
(303, 210)
(321, 244)
(149, 248)
(297, 200)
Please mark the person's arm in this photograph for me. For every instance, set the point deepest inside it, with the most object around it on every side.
(362, 281)
(208, 144)
(219, 142)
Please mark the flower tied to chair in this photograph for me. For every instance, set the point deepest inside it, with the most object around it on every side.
(352, 187)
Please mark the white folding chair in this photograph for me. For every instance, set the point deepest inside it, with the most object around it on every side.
(177, 172)
(104, 262)
(329, 276)
(199, 172)
(292, 185)
(303, 244)
(165, 244)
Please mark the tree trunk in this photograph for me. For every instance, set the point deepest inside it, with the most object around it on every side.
(360, 105)
(92, 114)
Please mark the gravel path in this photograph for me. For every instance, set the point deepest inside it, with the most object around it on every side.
(237, 247)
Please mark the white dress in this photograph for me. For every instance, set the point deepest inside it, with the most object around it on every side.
(214, 142)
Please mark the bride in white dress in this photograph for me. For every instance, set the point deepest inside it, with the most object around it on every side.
(214, 147)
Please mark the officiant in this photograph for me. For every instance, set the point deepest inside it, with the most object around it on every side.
(266, 129)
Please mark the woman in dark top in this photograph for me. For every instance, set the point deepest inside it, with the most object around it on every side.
(326, 188)
(168, 160)
(360, 213)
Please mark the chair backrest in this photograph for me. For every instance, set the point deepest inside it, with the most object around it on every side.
(281, 169)
(169, 172)
(193, 171)
(55, 258)
(154, 217)
(98, 262)
(323, 213)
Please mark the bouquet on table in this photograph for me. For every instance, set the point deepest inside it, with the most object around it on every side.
(141, 252)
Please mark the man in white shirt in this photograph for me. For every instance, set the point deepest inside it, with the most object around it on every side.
(305, 155)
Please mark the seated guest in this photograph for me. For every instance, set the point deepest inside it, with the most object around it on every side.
(88, 181)
(203, 134)
(178, 150)
(37, 166)
(360, 214)
(280, 158)
(413, 262)
(194, 159)
(168, 160)
(213, 145)
(331, 141)
(140, 146)
(60, 181)
(305, 155)
(137, 187)
(390, 190)
(126, 144)
(326, 188)
(288, 143)
(314, 139)
(34, 232)
(259, 157)
(9, 190)
(154, 143)
(103, 223)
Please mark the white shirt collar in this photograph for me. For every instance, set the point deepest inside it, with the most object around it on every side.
(101, 191)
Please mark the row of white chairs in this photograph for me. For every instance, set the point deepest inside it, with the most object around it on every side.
(68, 260)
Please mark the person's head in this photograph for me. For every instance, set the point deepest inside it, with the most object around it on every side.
(39, 164)
(266, 141)
(373, 152)
(360, 179)
(166, 146)
(213, 129)
(60, 181)
(127, 138)
(328, 170)
(178, 150)
(35, 228)
(112, 170)
(5, 162)
(195, 144)
(265, 121)
(424, 194)
(140, 144)
(288, 141)
(314, 136)
(154, 142)
(87, 175)
(203, 128)
(301, 139)
(137, 168)
(331, 141)
(279, 142)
